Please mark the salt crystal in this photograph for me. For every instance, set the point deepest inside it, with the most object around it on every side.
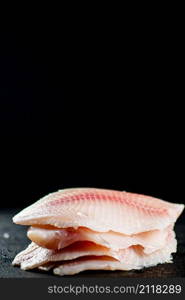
(6, 235)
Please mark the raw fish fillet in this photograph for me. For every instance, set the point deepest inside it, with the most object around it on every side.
(132, 259)
(79, 229)
(101, 210)
(94, 255)
(59, 238)
(39, 256)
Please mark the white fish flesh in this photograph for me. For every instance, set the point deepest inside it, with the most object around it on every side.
(86, 228)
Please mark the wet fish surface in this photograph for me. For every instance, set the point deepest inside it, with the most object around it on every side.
(80, 229)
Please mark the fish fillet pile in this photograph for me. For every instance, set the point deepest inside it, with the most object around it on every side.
(80, 229)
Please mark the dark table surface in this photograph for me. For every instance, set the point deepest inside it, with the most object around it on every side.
(17, 241)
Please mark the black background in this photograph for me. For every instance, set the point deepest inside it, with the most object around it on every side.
(91, 107)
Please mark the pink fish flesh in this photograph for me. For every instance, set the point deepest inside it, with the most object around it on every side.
(86, 228)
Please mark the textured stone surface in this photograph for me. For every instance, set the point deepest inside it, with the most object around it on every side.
(17, 241)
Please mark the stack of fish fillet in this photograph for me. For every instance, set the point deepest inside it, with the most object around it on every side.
(80, 229)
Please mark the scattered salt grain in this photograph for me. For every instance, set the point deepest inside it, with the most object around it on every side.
(6, 235)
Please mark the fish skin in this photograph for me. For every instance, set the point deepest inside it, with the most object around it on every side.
(101, 210)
